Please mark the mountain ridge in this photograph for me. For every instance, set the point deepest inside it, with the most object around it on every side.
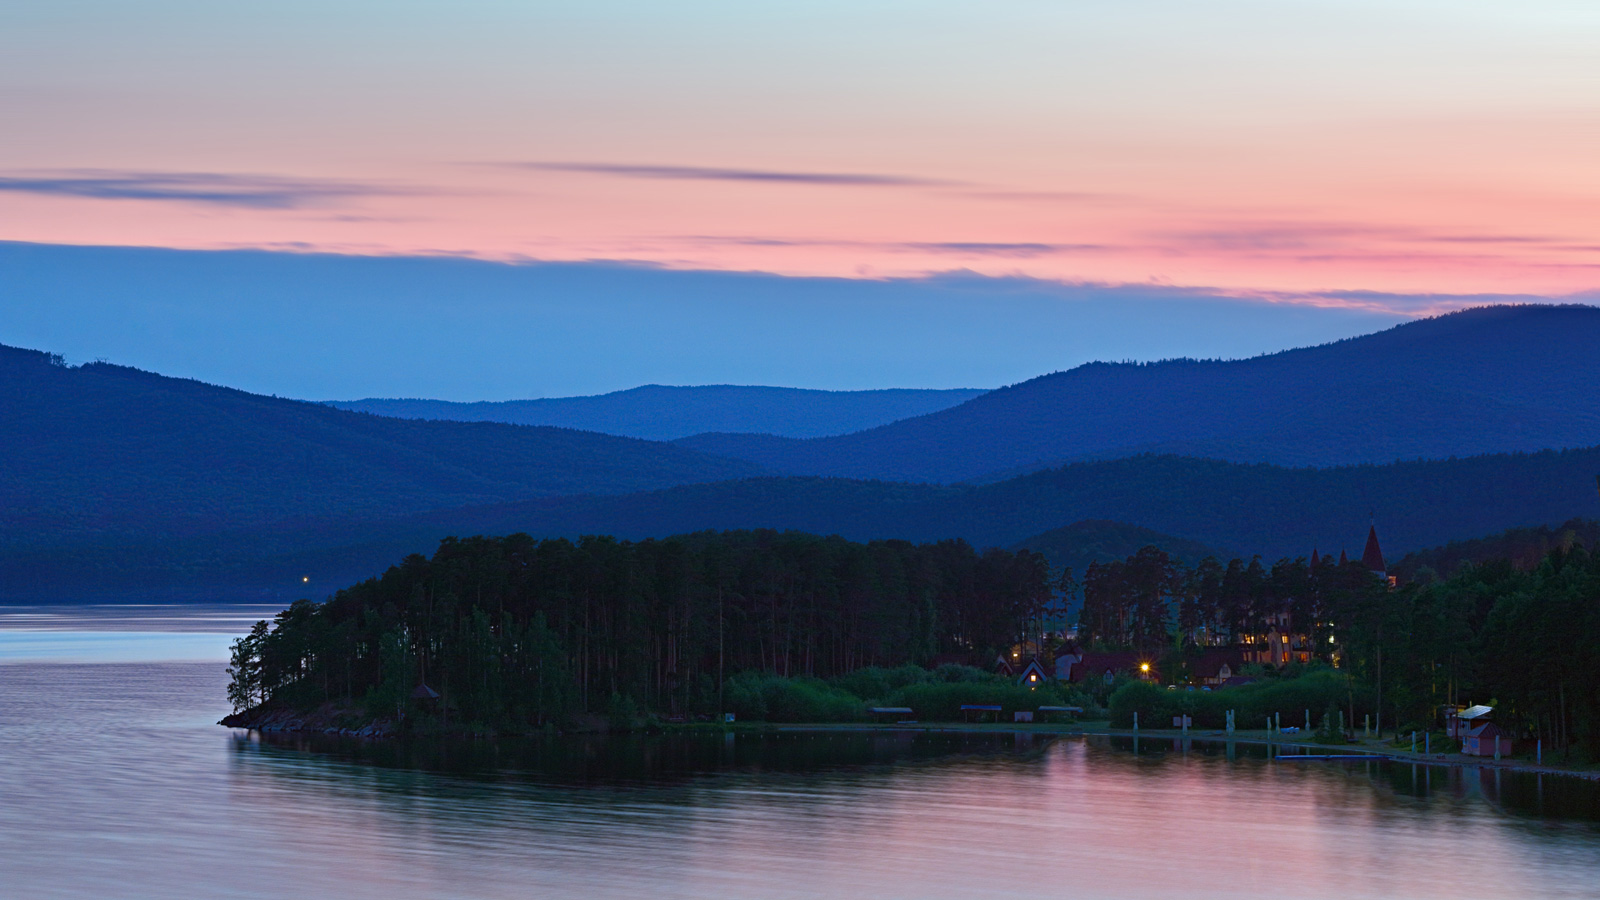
(1453, 385)
(660, 412)
(100, 447)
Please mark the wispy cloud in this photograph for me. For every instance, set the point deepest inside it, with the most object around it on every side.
(710, 173)
(204, 188)
(1011, 249)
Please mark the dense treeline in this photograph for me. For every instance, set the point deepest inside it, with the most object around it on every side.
(1150, 601)
(1523, 638)
(518, 631)
(1524, 548)
(1527, 641)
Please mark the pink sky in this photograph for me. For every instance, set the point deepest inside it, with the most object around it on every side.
(1290, 150)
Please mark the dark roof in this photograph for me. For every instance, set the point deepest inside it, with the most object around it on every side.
(1212, 661)
(1372, 557)
(1486, 730)
(1095, 664)
(1238, 681)
(423, 692)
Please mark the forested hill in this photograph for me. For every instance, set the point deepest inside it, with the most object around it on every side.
(1522, 548)
(1078, 545)
(100, 449)
(1237, 509)
(1496, 379)
(662, 413)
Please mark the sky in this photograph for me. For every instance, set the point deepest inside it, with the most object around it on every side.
(1401, 157)
(330, 327)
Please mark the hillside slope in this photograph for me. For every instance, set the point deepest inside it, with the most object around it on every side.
(1235, 508)
(1489, 380)
(662, 413)
(1099, 540)
(102, 448)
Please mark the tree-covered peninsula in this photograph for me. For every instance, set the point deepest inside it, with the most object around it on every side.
(515, 633)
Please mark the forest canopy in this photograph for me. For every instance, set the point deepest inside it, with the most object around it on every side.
(516, 630)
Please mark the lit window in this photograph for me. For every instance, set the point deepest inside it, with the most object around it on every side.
(1286, 639)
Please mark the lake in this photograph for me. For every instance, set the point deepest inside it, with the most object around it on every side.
(115, 782)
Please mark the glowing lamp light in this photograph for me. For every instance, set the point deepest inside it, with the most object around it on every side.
(1144, 667)
(305, 579)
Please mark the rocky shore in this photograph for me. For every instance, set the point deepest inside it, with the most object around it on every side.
(329, 718)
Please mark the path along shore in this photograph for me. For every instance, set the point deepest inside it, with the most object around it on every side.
(1293, 746)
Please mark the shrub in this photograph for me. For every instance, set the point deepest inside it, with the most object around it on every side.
(874, 683)
(773, 698)
(942, 701)
(1253, 704)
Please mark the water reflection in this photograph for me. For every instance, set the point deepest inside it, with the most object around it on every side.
(642, 758)
(117, 783)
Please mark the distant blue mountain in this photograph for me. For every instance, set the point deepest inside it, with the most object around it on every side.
(99, 449)
(1490, 380)
(661, 413)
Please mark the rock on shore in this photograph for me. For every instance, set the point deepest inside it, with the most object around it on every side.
(328, 718)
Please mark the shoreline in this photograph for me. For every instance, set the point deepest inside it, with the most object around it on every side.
(343, 722)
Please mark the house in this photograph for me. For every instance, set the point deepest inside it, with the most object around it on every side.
(1033, 674)
(1216, 666)
(1283, 644)
(1109, 665)
(1068, 655)
(1457, 722)
(1486, 740)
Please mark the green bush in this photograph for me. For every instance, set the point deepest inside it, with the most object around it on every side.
(942, 701)
(773, 698)
(874, 683)
(1253, 704)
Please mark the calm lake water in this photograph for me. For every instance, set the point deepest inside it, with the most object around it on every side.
(115, 782)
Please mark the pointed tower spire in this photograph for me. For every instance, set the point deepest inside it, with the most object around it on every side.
(1315, 559)
(1343, 558)
(1372, 557)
